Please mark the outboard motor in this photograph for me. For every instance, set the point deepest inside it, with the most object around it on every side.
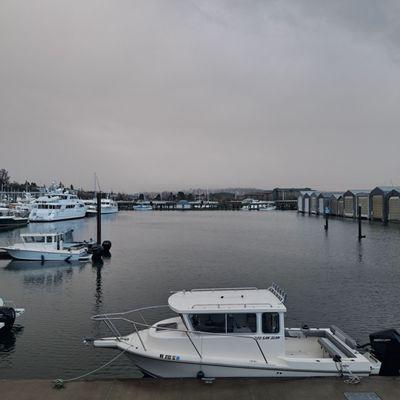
(386, 348)
(7, 317)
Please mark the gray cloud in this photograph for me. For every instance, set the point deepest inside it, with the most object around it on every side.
(158, 94)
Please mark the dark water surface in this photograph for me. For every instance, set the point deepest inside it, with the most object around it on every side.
(330, 279)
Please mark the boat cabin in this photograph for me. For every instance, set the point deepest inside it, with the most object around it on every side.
(56, 239)
(240, 311)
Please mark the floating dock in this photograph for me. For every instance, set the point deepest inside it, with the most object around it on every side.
(371, 388)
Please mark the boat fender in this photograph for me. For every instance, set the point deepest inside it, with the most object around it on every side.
(106, 248)
(42, 258)
(200, 375)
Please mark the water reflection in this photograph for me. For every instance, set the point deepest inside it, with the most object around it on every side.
(9, 338)
(47, 274)
(97, 267)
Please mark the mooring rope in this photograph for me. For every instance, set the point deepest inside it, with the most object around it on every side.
(59, 383)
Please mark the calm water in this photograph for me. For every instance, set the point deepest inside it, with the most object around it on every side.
(329, 279)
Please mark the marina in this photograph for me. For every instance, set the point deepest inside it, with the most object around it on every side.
(199, 200)
(330, 278)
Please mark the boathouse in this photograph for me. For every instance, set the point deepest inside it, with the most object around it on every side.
(354, 198)
(336, 204)
(314, 203)
(303, 201)
(379, 201)
(324, 202)
(394, 205)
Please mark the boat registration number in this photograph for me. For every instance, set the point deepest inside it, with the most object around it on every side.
(169, 357)
(267, 337)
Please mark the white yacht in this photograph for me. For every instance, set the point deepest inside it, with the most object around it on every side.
(108, 206)
(57, 206)
(8, 313)
(143, 206)
(47, 247)
(258, 205)
(236, 332)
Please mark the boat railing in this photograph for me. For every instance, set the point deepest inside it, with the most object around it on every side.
(139, 326)
(278, 292)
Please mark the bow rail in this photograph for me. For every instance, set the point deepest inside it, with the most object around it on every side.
(109, 319)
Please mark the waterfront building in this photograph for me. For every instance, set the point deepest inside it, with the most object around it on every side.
(354, 198)
(303, 201)
(335, 200)
(394, 206)
(314, 202)
(379, 201)
(324, 202)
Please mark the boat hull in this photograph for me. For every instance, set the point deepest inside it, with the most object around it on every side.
(178, 369)
(55, 219)
(104, 211)
(7, 223)
(31, 255)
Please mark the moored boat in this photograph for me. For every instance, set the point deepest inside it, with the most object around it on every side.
(48, 247)
(10, 219)
(143, 206)
(258, 205)
(236, 332)
(58, 205)
(108, 206)
(8, 313)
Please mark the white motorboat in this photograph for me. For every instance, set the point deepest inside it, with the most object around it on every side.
(8, 313)
(48, 247)
(143, 206)
(10, 219)
(57, 206)
(235, 333)
(108, 206)
(258, 205)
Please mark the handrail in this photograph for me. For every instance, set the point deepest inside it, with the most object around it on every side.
(278, 292)
(223, 289)
(218, 305)
(107, 318)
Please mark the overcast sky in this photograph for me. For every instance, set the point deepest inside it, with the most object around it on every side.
(173, 94)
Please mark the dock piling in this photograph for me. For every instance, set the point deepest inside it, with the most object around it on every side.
(98, 216)
(360, 235)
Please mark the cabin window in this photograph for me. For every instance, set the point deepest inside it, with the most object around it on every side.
(241, 323)
(29, 239)
(49, 239)
(214, 323)
(270, 323)
(39, 239)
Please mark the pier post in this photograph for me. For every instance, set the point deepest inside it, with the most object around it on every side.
(98, 217)
(360, 235)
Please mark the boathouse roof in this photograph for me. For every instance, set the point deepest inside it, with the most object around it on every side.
(225, 300)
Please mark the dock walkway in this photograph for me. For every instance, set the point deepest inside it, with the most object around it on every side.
(387, 388)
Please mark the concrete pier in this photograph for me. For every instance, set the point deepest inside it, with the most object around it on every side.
(386, 388)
